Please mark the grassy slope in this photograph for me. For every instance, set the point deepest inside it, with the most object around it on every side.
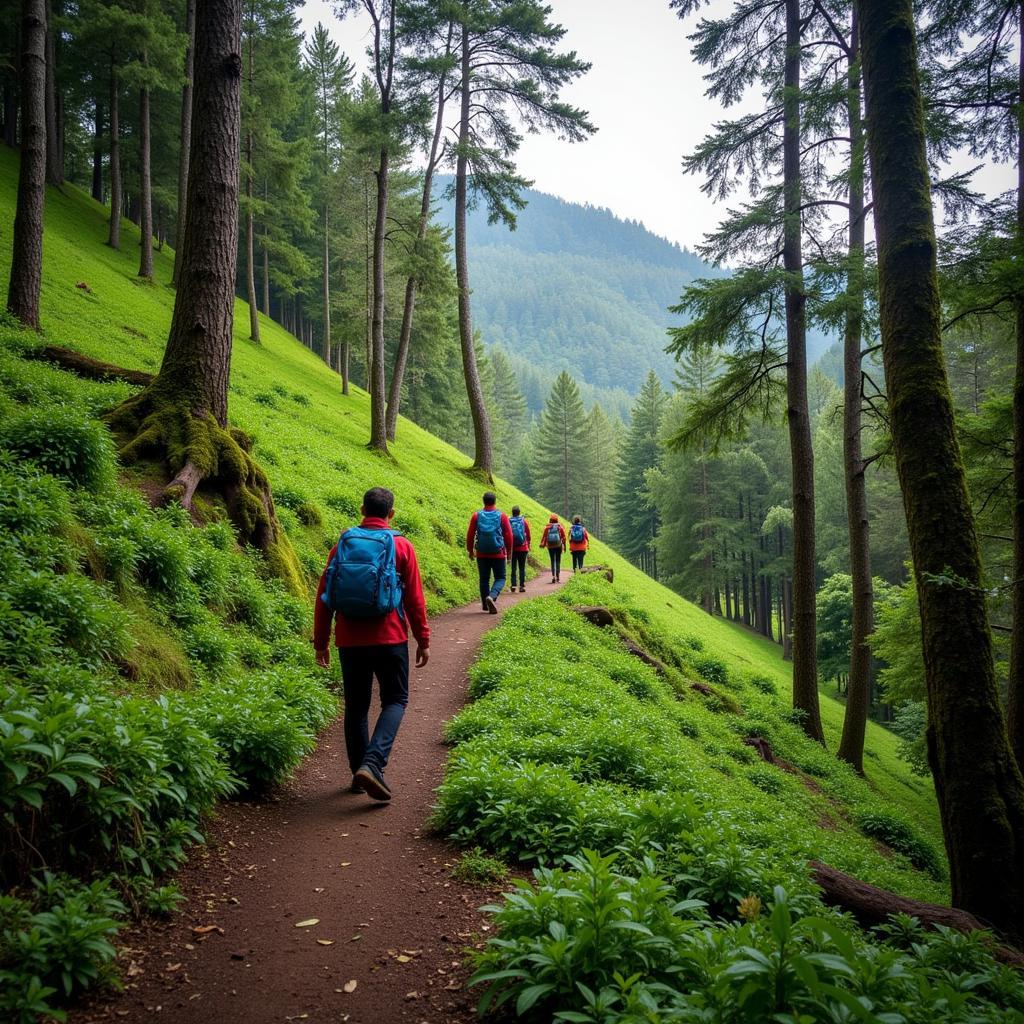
(316, 450)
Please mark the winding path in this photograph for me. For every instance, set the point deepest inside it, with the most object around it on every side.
(388, 914)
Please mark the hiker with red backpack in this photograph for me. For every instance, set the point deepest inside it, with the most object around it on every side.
(579, 541)
(371, 589)
(520, 548)
(489, 541)
(554, 540)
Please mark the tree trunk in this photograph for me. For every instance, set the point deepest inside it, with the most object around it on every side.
(858, 703)
(266, 282)
(787, 619)
(97, 152)
(367, 283)
(978, 784)
(27, 248)
(706, 564)
(1015, 682)
(327, 284)
(116, 198)
(411, 285)
(186, 134)
(746, 590)
(805, 667)
(483, 458)
(54, 168)
(146, 190)
(378, 394)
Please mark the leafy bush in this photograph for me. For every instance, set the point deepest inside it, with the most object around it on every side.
(477, 868)
(764, 684)
(712, 669)
(62, 442)
(898, 835)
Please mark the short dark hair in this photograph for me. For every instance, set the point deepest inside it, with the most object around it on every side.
(515, 510)
(378, 502)
(576, 519)
(490, 498)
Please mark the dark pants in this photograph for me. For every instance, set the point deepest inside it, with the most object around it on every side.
(390, 664)
(519, 568)
(486, 566)
(577, 560)
(555, 554)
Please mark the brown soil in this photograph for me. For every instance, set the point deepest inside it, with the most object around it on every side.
(389, 915)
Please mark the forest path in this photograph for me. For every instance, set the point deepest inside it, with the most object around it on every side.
(372, 874)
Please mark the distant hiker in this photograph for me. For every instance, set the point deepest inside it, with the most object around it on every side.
(371, 588)
(579, 541)
(520, 548)
(489, 540)
(554, 541)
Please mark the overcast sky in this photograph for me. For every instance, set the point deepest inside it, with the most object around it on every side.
(646, 97)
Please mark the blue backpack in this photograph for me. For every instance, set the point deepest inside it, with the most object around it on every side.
(362, 579)
(576, 533)
(518, 529)
(489, 538)
(554, 536)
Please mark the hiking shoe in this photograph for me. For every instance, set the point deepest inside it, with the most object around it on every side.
(522, 590)
(372, 782)
(490, 605)
(356, 787)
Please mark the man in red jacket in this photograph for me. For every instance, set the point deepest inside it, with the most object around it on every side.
(489, 540)
(375, 646)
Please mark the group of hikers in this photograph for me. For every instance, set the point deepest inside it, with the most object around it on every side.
(371, 591)
(496, 541)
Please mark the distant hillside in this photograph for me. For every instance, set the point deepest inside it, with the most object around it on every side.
(575, 287)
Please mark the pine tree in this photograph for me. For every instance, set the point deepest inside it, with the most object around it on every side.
(507, 57)
(560, 450)
(977, 780)
(599, 467)
(27, 250)
(509, 408)
(634, 518)
(185, 141)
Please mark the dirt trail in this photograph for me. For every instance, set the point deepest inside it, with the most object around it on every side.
(372, 874)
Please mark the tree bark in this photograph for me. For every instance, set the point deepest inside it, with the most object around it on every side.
(1015, 682)
(483, 450)
(54, 165)
(27, 248)
(858, 701)
(97, 152)
(116, 198)
(327, 282)
(186, 135)
(412, 284)
(805, 667)
(145, 189)
(378, 394)
(266, 282)
(977, 781)
(197, 360)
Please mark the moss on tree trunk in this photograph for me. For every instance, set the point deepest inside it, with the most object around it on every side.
(980, 790)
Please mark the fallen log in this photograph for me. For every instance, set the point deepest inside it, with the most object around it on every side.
(639, 653)
(762, 746)
(91, 369)
(605, 570)
(595, 614)
(873, 906)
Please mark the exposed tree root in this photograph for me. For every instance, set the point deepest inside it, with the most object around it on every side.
(201, 453)
(91, 369)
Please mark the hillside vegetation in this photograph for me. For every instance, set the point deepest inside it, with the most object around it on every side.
(151, 667)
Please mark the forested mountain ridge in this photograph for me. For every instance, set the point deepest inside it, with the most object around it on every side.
(575, 287)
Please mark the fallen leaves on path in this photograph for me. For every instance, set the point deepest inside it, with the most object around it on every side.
(350, 986)
(307, 923)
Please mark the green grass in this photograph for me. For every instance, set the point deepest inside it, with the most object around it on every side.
(315, 453)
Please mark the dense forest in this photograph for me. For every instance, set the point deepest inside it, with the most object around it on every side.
(322, 260)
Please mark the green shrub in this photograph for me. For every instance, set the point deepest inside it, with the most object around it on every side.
(902, 838)
(766, 780)
(309, 514)
(207, 643)
(764, 684)
(712, 669)
(62, 442)
(477, 868)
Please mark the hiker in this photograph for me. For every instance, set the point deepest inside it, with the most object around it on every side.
(579, 541)
(520, 548)
(489, 540)
(554, 541)
(371, 588)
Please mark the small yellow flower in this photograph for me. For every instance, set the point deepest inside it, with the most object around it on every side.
(750, 908)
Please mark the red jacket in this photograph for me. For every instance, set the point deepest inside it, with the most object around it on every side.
(506, 533)
(525, 546)
(579, 545)
(387, 629)
(544, 535)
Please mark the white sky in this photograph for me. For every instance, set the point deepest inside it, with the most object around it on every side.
(646, 97)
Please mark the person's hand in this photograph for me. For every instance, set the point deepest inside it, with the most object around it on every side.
(422, 655)
(323, 658)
